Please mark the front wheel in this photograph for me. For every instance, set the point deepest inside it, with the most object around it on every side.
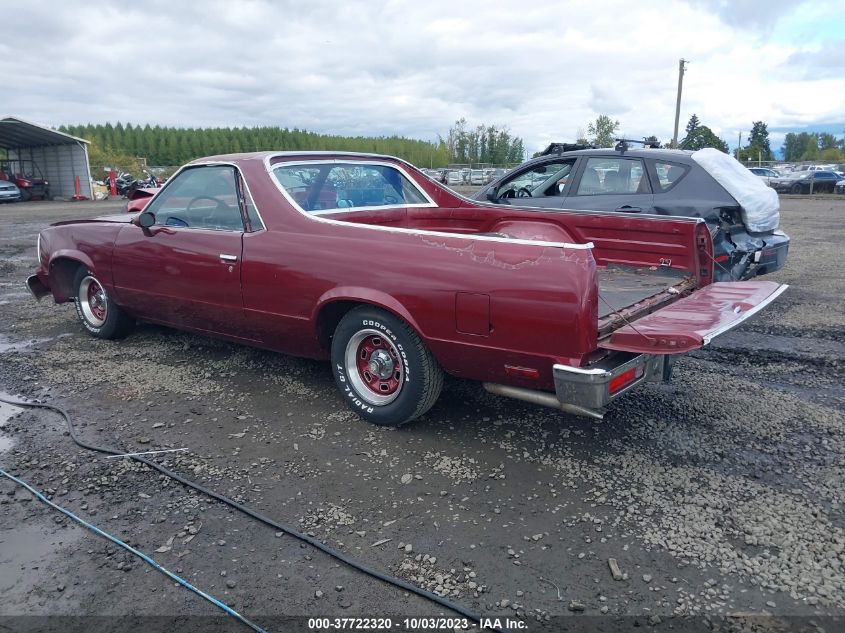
(384, 371)
(796, 188)
(99, 314)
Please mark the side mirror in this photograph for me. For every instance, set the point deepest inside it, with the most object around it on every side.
(492, 195)
(146, 219)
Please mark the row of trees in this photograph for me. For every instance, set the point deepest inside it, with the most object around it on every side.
(118, 145)
(604, 131)
(803, 146)
(491, 144)
(813, 146)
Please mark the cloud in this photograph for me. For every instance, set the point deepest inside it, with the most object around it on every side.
(544, 68)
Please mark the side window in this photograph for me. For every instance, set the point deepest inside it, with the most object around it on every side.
(611, 175)
(548, 179)
(202, 197)
(668, 174)
(331, 186)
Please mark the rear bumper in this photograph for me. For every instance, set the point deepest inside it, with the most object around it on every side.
(773, 255)
(596, 387)
(741, 255)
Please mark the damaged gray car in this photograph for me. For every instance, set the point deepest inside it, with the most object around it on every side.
(743, 214)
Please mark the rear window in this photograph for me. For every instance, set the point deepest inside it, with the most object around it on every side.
(669, 174)
(318, 187)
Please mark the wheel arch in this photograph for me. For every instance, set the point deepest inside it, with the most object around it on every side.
(62, 270)
(336, 303)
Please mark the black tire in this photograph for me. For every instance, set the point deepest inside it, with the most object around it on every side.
(796, 188)
(26, 196)
(405, 380)
(99, 314)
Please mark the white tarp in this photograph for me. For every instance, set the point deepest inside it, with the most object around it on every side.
(759, 202)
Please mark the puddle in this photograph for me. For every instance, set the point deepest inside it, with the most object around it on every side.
(6, 412)
(7, 345)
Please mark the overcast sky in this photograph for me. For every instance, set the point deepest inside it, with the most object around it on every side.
(543, 68)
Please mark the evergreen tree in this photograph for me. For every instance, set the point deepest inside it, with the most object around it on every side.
(692, 124)
(758, 141)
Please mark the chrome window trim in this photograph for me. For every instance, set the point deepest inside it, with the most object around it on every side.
(268, 166)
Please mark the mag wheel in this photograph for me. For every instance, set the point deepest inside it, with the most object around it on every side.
(384, 371)
(101, 316)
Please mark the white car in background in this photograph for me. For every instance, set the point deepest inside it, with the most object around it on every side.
(764, 173)
(9, 191)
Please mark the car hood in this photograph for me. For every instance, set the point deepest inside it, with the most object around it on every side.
(759, 203)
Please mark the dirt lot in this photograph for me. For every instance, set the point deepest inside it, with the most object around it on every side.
(720, 494)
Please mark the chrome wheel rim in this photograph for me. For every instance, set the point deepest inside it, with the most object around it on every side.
(374, 367)
(93, 301)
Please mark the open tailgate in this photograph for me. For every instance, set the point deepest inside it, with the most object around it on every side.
(694, 321)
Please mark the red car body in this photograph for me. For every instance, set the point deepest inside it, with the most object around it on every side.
(503, 295)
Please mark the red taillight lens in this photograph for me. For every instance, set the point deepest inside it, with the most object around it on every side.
(624, 379)
(522, 372)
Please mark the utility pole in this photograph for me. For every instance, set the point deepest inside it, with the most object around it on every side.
(738, 144)
(681, 64)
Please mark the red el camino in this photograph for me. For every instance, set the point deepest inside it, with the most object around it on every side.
(364, 260)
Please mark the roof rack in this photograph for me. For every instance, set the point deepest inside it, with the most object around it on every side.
(559, 148)
(622, 144)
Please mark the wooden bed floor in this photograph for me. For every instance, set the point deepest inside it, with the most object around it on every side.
(623, 286)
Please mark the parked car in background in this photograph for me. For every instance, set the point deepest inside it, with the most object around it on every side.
(764, 173)
(800, 181)
(493, 174)
(9, 191)
(840, 186)
(476, 177)
(742, 213)
(454, 177)
(266, 249)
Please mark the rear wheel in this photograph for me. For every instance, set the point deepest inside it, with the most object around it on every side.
(383, 369)
(99, 314)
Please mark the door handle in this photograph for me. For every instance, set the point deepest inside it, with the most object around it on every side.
(228, 258)
(628, 209)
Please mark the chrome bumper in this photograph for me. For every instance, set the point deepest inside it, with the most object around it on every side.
(591, 388)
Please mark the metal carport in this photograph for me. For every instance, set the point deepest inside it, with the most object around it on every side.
(61, 157)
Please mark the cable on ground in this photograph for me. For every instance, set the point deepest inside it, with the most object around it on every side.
(147, 559)
(326, 549)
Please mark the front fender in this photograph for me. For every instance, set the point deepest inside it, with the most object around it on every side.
(61, 269)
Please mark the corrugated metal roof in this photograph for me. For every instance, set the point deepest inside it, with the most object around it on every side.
(16, 133)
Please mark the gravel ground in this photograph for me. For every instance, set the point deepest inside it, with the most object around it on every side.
(703, 504)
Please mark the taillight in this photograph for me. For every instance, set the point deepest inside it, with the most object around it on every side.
(624, 379)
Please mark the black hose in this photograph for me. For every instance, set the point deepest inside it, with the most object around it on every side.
(334, 553)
